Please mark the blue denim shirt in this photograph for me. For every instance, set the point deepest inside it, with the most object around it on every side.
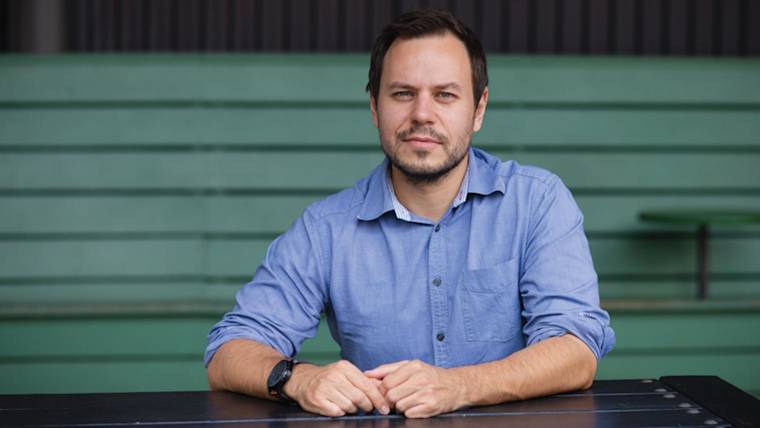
(507, 265)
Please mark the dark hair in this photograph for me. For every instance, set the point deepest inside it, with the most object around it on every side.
(422, 23)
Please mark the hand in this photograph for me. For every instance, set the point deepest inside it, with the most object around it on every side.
(335, 389)
(419, 390)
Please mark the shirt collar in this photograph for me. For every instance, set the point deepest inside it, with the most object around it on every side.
(483, 173)
(480, 178)
(377, 200)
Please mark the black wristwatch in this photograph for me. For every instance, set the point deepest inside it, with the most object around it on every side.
(279, 377)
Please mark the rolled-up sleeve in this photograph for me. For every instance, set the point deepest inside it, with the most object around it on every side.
(281, 305)
(558, 285)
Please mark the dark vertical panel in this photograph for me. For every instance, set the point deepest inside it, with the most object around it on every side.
(356, 32)
(703, 25)
(4, 26)
(258, 23)
(532, 26)
(327, 25)
(546, 25)
(651, 11)
(244, 16)
(717, 26)
(625, 27)
(409, 5)
(491, 25)
(518, 26)
(300, 25)
(598, 37)
(96, 21)
(272, 25)
(572, 21)
(742, 26)
(753, 27)
(132, 30)
(188, 25)
(382, 13)
(160, 24)
(729, 40)
(217, 15)
(438, 4)
(465, 11)
(85, 28)
(675, 38)
(677, 27)
(108, 24)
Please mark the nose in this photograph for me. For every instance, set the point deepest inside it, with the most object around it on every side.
(423, 113)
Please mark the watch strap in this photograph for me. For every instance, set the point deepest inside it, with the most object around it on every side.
(277, 389)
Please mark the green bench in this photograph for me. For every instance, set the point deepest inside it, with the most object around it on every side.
(137, 193)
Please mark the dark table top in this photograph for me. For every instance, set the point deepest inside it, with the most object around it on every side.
(693, 401)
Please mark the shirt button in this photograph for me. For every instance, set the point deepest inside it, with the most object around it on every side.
(437, 282)
(437, 227)
(440, 337)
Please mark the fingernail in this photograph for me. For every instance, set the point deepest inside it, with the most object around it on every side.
(385, 410)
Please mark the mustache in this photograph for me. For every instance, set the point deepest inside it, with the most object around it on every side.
(422, 131)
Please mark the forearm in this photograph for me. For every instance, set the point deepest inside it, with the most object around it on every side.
(554, 365)
(243, 366)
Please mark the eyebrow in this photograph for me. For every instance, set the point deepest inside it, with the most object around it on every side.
(402, 85)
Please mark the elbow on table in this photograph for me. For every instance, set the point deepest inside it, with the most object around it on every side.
(214, 376)
(588, 372)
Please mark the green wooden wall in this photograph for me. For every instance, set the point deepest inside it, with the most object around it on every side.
(137, 193)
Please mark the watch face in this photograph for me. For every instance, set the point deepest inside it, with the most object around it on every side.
(277, 374)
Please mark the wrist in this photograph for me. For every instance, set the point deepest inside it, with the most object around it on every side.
(293, 387)
(463, 378)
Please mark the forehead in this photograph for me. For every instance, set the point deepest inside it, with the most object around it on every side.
(428, 60)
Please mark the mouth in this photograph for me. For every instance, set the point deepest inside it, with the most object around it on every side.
(419, 140)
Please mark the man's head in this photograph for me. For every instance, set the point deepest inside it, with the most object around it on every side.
(428, 92)
(422, 23)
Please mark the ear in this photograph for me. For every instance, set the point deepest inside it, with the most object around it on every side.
(373, 109)
(480, 111)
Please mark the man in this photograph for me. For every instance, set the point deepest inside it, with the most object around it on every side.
(448, 278)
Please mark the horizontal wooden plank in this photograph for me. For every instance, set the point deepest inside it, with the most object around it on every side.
(272, 126)
(183, 257)
(619, 256)
(123, 338)
(115, 291)
(38, 372)
(672, 256)
(669, 332)
(73, 214)
(342, 78)
(221, 291)
(185, 77)
(167, 375)
(665, 332)
(59, 377)
(658, 333)
(657, 287)
(125, 216)
(337, 169)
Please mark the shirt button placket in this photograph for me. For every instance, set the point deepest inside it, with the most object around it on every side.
(438, 301)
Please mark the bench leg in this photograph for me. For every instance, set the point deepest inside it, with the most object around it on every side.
(702, 259)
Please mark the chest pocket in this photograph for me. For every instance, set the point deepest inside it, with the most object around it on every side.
(491, 303)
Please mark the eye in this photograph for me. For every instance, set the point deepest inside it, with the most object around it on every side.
(402, 95)
(446, 96)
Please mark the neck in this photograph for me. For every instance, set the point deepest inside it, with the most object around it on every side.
(429, 199)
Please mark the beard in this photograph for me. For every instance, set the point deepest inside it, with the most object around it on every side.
(419, 172)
